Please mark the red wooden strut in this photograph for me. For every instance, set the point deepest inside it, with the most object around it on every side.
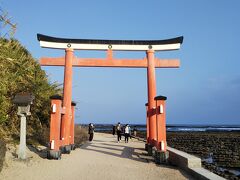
(72, 124)
(55, 123)
(161, 122)
(147, 123)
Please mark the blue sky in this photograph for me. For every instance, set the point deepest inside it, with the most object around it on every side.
(204, 90)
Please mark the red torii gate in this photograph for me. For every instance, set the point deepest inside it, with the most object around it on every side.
(149, 62)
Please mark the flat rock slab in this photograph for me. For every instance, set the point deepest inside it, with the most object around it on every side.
(103, 159)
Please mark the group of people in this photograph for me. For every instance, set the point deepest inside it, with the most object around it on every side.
(125, 130)
(118, 129)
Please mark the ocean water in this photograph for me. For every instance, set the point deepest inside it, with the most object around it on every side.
(177, 128)
(205, 128)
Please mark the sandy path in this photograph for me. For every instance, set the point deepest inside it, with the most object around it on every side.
(103, 159)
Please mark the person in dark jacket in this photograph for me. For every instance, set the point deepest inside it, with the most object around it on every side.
(113, 130)
(135, 131)
(90, 131)
(119, 131)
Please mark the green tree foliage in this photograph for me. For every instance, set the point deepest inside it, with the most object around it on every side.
(20, 72)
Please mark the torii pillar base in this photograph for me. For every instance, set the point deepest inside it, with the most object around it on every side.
(53, 154)
(146, 147)
(160, 157)
(66, 149)
(149, 149)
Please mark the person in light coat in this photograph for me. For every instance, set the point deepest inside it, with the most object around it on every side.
(127, 133)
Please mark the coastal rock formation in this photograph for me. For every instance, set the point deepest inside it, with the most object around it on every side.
(219, 151)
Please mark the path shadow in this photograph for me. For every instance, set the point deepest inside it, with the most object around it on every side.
(116, 145)
(127, 152)
(40, 152)
(136, 154)
(96, 141)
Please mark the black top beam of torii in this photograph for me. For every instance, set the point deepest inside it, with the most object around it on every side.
(121, 45)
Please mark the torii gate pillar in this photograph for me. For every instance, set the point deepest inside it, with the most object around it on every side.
(67, 99)
(151, 95)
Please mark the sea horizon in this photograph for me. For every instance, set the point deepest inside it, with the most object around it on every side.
(170, 124)
(176, 127)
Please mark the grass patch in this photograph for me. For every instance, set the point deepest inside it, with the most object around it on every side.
(2, 153)
(81, 135)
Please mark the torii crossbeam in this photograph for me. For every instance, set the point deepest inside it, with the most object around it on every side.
(110, 62)
(109, 46)
(149, 62)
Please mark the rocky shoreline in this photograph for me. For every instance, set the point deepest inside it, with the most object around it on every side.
(219, 151)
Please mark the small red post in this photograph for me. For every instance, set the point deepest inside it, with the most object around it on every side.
(161, 123)
(67, 97)
(151, 95)
(55, 123)
(147, 123)
(72, 124)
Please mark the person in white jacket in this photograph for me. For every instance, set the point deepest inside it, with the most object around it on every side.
(127, 133)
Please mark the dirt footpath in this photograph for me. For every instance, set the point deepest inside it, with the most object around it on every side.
(102, 159)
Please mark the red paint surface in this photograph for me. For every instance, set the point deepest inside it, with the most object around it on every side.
(161, 125)
(151, 82)
(67, 97)
(55, 123)
(72, 125)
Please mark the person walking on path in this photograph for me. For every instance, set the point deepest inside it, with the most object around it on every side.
(90, 131)
(127, 132)
(113, 130)
(118, 132)
(135, 131)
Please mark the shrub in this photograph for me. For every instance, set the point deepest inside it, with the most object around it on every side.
(81, 135)
(20, 72)
(2, 152)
